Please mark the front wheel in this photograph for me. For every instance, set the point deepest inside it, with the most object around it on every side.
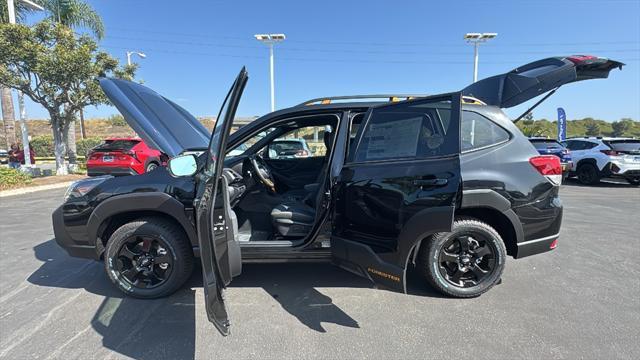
(148, 258)
(466, 262)
(588, 174)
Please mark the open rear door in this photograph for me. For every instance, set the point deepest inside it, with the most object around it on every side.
(219, 249)
(399, 184)
(536, 78)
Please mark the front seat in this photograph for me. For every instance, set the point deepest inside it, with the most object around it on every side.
(307, 194)
(295, 216)
(293, 219)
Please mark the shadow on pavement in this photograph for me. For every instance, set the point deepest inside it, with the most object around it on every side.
(148, 329)
(605, 183)
(141, 329)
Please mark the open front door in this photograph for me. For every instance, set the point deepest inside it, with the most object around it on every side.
(219, 249)
(399, 184)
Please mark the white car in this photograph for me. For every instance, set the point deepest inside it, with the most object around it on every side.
(597, 158)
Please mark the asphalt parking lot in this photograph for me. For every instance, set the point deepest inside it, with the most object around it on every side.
(580, 301)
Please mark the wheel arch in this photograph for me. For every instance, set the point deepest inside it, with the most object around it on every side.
(487, 206)
(118, 210)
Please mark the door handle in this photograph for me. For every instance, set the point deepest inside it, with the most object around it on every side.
(430, 182)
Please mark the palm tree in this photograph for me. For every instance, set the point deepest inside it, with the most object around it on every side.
(74, 14)
(8, 113)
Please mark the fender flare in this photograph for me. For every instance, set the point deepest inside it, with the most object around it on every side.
(475, 198)
(147, 201)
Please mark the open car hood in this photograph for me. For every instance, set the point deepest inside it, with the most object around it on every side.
(161, 123)
(536, 78)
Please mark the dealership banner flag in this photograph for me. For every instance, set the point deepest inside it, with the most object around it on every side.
(562, 125)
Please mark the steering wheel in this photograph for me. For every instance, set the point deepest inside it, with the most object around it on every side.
(262, 173)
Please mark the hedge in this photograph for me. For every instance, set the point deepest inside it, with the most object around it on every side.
(42, 145)
(12, 178)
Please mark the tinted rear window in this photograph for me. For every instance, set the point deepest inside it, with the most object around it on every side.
(545, 144)
(624, 145)
(111, 145)
(411, 130)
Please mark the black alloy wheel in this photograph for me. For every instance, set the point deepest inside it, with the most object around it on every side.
(144, 261)
(588, 174)
(466, 260)
(149, 257)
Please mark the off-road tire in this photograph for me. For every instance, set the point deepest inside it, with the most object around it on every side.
(428, 263)
(178, 246)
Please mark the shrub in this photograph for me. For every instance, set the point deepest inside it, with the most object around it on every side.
(117, 120)
(12, 178)
(84, 145)
(42, 145)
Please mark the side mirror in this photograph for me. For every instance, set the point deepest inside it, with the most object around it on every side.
(183, 165)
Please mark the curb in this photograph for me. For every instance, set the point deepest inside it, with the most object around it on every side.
(27, 190)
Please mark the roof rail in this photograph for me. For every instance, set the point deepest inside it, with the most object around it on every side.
(388, 97)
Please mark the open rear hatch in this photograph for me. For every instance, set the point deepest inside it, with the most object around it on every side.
(536, 78)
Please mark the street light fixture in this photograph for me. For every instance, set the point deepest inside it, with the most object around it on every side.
(270, 40)
(140, 54)
(476, 39)
(23, 112)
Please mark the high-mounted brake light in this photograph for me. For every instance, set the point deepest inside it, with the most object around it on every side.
(577, 59)
(549, 166)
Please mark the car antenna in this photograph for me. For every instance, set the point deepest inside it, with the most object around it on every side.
(536, 105)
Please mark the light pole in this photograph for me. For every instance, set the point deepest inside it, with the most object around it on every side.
(129, 53)
(476, 39)
(271, 39)
(23, 112)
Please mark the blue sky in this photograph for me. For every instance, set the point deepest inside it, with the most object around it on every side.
(195, 49)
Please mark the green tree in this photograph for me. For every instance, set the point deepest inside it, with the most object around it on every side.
(621, 127)
(58, 70)
(592, 128)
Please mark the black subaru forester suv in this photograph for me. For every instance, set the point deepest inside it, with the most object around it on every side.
(446, 184)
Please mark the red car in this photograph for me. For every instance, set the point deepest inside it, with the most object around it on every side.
(123, 156)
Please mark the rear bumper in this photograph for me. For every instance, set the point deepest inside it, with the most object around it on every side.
(536, 246)
(66, 241)
(110, 170)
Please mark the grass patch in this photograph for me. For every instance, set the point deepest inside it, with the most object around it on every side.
(12, 178)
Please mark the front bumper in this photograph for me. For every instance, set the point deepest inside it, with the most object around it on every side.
(66, 241)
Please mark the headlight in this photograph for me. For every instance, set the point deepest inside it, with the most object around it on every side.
(81, 187)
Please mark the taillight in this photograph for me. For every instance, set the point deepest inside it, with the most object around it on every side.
(130, 153)
(548, 166)
(610, 152)
(554, 244)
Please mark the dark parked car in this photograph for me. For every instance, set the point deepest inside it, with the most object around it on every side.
(546, 146)
(404, 191)
(123, 156)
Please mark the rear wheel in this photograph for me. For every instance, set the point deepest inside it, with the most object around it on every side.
(588, 174)
(634, 181)
(151, 166)
(466, 262)
(148, 258)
